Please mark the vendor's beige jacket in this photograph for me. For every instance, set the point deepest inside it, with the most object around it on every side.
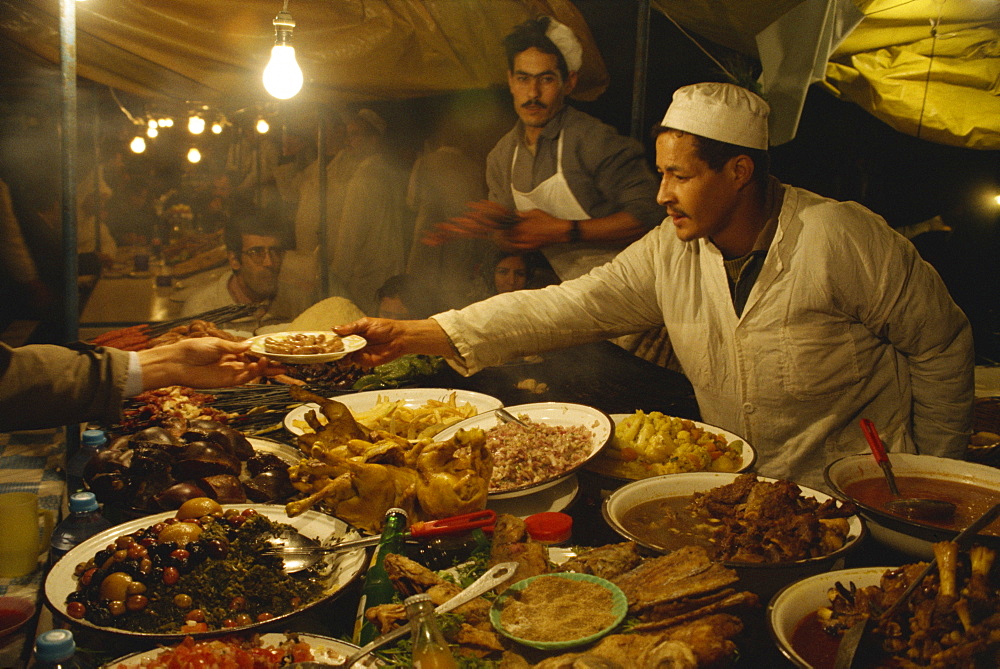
(845, 321)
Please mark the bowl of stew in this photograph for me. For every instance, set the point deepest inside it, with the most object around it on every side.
(656, 513)
(792, 615)
(973, 488)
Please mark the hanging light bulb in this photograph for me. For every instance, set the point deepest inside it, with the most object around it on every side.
(283, 76)
(167, 123)
(152, 123)
(196, 125)
(262, 126)
(152, 132)
(194, 155)
(216, 128)
(138, 144)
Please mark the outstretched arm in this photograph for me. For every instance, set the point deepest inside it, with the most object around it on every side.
(388, 339)
(203, 362)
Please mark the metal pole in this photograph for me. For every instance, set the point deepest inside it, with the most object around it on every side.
(641, 65)
(67, 59)
(321, 140)
(71, 295)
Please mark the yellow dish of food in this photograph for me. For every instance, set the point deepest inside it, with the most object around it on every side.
(651, 444)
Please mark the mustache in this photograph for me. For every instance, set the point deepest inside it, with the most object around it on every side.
(673, 212)
(535, 103)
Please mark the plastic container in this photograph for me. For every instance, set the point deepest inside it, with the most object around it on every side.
(91, 441)
(84, 521)
(55, 649)
(549, 527)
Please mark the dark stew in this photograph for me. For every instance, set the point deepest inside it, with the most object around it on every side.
(970, 500)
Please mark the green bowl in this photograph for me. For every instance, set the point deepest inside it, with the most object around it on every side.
(619, 607)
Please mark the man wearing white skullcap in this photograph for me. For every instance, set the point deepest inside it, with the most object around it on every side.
(792, 315)
(583, 191)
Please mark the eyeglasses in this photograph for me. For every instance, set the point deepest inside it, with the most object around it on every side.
(259, 253)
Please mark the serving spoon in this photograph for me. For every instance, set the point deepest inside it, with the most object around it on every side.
(299, 552)
(915, 508)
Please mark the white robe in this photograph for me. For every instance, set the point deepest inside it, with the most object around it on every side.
(845, 321)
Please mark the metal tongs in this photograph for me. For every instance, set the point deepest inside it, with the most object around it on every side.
(301, 552)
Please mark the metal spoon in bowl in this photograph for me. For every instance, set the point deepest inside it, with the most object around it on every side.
(913, 508)
(300, 552)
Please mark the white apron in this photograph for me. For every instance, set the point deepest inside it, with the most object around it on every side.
(554, 197)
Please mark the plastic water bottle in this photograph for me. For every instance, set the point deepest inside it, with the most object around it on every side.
(55, 649)
(84, 521)
(91, 441)
(377, 588)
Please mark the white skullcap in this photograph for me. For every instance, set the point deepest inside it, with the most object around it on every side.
(377, 123)
(722, 112)
(567, 43)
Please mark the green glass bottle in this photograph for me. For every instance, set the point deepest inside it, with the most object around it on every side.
(377, 588)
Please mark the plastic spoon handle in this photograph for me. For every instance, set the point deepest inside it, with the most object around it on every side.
(496, 575)
(878, 450)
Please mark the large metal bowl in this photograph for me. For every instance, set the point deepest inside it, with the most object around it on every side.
(763, 579)
(909, 536)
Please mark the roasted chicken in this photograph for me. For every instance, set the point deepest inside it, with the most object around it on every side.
(358, 475)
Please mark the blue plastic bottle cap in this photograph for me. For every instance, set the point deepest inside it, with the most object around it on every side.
(93, 438)
(82, 501)
(55, 645)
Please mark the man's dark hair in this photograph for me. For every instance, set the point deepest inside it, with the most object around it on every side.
(530, 34)
(249, 223)
(716, 154)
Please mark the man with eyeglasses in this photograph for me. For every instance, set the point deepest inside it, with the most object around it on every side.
(256, 251)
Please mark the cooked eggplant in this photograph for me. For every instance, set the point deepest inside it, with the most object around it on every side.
(202, 458)
(224, 488)
(156, 469)
(262, 462)
(233, 441)
(272, 485)
(174, 496)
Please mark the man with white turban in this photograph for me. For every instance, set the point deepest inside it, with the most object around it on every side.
(793, 315)
(583, 191)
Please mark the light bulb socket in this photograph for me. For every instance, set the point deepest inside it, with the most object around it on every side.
(283, 25)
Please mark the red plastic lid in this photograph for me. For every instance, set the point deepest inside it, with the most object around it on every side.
(549, 527)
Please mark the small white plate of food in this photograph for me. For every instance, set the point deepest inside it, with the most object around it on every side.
(305, 348)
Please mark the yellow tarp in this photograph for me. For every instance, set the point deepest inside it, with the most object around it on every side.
(943, 88)
(929, 68)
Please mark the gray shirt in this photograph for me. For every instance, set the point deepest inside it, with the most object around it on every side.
(606, 171)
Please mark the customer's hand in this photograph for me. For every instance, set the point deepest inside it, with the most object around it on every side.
(388, 339)
(203, 362)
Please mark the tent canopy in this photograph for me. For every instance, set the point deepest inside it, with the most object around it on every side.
(929, 68)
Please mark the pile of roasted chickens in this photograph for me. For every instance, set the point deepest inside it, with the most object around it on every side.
(951, 620)
(680, 605)
(771, 521)
(358, 475)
